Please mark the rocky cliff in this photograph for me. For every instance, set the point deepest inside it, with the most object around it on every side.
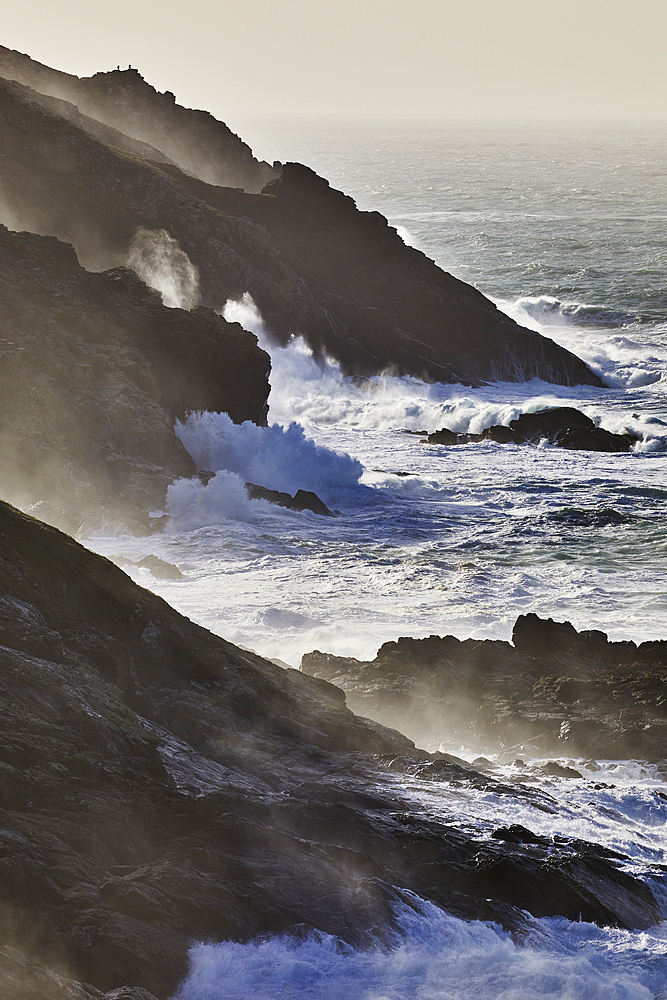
(95, 370)
(141, 120)
(159, 786)
(315, 265)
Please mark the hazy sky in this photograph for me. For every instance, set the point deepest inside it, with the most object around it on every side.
(517, 57)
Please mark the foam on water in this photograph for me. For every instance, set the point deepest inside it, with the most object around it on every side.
(430, 539)
(438, 957)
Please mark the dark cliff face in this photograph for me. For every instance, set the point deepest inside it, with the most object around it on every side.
(159, 786)
(95, 370)
(315, 265)
(559, 690)
(124, 101)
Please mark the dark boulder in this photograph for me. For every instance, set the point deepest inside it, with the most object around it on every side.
(561, 426)
(302, 499)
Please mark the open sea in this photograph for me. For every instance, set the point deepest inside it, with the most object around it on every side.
(564, 226)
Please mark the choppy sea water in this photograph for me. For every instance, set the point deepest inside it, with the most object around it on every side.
(564, 228)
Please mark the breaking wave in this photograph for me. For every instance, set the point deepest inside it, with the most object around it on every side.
(549, 309)
(437, 957)
(280, 458)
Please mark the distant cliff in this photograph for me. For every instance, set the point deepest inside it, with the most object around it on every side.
(146, 121)
(315, 265)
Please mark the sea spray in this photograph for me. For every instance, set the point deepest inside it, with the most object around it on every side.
(280, 458)
(161, 263)
(436, 957)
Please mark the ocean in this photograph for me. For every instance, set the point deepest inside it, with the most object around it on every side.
(563, 226)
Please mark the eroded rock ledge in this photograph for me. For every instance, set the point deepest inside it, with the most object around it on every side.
(553, 690)
(159, 786)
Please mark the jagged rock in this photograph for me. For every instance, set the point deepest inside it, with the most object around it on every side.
(562, 426)
(302, 499)
(160, 786)
(95, 369)
(314, 264)
(157, 567)
(555, 690)
(143, 121)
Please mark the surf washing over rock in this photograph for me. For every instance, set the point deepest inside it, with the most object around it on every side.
(184, 815)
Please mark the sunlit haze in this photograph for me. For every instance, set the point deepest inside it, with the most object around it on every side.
(598, 58)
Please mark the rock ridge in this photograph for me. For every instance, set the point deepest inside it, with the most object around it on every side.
(160, 786)
(553, 690)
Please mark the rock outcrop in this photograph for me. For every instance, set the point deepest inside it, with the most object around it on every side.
(555, 690)
(159, 786)
(95, 370)
(302, 499)
(143, 122)
(561, 426)
(314, 264)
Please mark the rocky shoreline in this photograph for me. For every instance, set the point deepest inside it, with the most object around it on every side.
(551, 691)
(160, 787)
(561, 426)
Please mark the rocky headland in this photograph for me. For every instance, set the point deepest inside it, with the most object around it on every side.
(551, 691)
(314, 264)
(160, 786)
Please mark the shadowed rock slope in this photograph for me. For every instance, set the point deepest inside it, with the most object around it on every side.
(144, 119)
(159, 786)
(553, 691)
(315, 265)
(95, 370)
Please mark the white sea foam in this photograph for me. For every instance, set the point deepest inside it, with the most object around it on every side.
(437, 957)
(193, 504)
(280, 458)
(161, 263)
(615, 345)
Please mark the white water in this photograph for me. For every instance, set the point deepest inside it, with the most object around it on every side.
(439, 957)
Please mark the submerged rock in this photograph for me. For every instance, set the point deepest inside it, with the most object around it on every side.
(160, 787)
(302, 499)
(561, 426)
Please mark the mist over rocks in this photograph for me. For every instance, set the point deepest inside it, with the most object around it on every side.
(161, 787)
(314, 264)
(95, 371)
(553, 690)
(145, 121)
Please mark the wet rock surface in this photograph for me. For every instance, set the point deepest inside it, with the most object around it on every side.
(561, 426)
(159, 786)
(302, 499)
(95, 369)
(553, 689)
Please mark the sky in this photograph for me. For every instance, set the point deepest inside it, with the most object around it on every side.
(534, 58)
